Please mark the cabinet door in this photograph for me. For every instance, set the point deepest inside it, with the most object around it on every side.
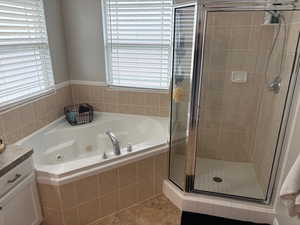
(22, 206)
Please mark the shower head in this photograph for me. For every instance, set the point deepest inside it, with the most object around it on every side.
(272, 17)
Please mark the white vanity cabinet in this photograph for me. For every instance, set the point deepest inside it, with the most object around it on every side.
(20, 204)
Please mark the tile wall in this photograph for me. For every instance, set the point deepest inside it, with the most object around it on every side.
(272, 105)
(236, 41)
(87, 200)
(107, 99)
(24, 120)
(240, 121)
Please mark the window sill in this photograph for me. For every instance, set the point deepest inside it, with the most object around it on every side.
(133, 89)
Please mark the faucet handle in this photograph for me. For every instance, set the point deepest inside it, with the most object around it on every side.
(129, 148)
(104, 156)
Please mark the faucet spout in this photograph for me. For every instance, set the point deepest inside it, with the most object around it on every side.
(115, 142)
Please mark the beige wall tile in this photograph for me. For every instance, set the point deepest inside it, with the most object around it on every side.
(111, 108)
(49, 196)
(162, 165)
(127, 175)
(111, 197)
(222, 18)
(53, 217)
(68, 195)
(164, 111)
(152, 99)
(24, 120)
(89, 212)
(164, 100)
(242, 19)
(12, 121)
(124, 97)
(128, 196)
(145, 168)
(137, 98)
(96, 93)
(71, 216)
(87, 189)
(158, 186)
(146, 188)
(109, 203)
(239, 38)
(108, 182)
(110, 96)
(122, 101)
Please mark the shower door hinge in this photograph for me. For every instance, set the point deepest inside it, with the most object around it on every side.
(189, 183)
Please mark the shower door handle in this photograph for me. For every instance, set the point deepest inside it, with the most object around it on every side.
(275, 85)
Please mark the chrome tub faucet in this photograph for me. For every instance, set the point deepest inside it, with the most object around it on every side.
(115, 142)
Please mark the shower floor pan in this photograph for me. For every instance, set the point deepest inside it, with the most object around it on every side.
(226, 177)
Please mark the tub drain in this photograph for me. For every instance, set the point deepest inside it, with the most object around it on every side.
(217, 179)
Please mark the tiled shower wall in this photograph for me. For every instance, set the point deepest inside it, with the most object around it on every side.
(236, 41)
(89, 199)
(24, 120)
(106, 99)
(272, 105)
(239, 121)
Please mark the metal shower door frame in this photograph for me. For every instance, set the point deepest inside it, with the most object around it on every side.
(203, 8)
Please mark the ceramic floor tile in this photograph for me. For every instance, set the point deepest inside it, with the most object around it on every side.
(156, 211)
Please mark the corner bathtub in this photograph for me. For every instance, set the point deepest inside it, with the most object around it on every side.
(63, 153)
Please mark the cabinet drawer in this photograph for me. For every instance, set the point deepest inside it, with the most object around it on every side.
(14, 176)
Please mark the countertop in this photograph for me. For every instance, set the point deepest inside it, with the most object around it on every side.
(13, 156)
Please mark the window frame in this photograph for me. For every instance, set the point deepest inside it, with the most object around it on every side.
(107, 59)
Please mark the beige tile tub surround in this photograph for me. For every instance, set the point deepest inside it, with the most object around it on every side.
(106, 99)
(87, 200)
(25, 119)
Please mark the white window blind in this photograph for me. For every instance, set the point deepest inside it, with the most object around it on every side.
(138, 42)
(25, 65)
(183, 43)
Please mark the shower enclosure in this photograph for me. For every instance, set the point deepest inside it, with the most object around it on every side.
(235, 68)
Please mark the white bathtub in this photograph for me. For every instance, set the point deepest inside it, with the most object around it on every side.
(63, 152)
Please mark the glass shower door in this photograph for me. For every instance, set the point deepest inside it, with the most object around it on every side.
(181, 90)
(247, 69)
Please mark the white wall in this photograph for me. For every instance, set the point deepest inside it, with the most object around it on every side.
(84, 39)
(56, 36)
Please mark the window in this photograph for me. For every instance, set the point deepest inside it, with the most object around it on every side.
(25, 65)
(138, 43)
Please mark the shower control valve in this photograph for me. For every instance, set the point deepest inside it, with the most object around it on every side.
(275, 85)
